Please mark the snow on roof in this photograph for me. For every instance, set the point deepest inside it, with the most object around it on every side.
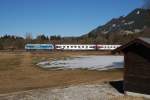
(141, 40)
(147, 40)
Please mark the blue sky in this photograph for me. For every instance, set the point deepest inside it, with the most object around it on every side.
(60, 17)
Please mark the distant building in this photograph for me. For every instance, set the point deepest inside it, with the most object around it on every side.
(137, 67)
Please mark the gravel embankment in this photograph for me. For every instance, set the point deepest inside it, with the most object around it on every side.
(80, 92)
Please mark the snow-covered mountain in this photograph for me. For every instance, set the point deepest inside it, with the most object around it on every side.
(135, 22)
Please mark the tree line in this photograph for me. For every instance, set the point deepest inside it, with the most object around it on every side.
(11, 42)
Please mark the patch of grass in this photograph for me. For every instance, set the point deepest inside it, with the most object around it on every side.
(9, 63)
(36, 60)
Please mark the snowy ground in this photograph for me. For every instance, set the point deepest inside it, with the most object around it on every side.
(85, 62)
(81, 92)
(78, 92)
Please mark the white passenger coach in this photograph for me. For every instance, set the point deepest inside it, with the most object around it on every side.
(85, 47)
(74, 47)
(107, 47)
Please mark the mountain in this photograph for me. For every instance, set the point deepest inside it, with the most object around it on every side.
(134, 22)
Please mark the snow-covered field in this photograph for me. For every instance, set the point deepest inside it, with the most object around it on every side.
(85, 62)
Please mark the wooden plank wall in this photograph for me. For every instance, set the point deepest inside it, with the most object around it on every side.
(137, 70)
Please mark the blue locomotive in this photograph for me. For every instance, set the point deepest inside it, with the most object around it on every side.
(39, 47)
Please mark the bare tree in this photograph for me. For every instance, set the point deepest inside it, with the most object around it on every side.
(28, 37)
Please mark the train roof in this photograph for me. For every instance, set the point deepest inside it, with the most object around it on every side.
(39, 44)
(87, 44)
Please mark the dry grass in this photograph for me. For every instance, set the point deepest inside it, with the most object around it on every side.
(18, 72)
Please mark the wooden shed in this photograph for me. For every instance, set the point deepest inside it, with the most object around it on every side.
(136, 67)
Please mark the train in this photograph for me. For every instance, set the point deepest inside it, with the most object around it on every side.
(71, 47)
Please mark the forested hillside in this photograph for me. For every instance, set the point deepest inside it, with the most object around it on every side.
(123, 29)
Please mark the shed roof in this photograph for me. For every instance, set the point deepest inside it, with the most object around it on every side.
(145, 39)
(141, 40)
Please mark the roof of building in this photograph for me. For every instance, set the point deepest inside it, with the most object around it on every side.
(141, 40)
(145, 39)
